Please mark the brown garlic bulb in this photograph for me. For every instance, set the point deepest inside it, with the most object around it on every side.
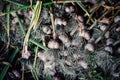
(53, 44)
(89, 47)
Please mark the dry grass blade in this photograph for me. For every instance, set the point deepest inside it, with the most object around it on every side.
(8, 25)
(52, 21)
(33, 23)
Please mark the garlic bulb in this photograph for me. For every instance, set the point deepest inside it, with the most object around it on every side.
(59, 21)
(66, 41)
(89, 47)
(46, 29)
(85, 34)
(83, 64)
(53, 44)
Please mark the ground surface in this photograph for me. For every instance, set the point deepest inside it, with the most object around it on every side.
(71, 40)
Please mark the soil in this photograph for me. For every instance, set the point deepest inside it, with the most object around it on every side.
(77, 49)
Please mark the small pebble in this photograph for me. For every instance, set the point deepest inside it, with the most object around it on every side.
(89, 47)
(53, 44)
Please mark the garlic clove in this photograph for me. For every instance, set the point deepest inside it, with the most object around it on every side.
(89, 47)
(53, 44)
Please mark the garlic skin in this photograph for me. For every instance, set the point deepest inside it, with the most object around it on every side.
(89, 47)
(53, 44)
(84, 34)
(46, 29)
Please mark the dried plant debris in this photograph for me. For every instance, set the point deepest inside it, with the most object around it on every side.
(75, 40)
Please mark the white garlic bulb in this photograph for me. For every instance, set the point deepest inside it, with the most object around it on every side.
(53, 44)
(85, 34)
(65, 40)
(58, 21)
(83, 64)
(46, 29)
(89, 47)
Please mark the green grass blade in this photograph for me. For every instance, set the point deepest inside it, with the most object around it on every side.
(4, 71)
(38, 44)
(10, 1)
(22, 7)
(21, 25)
(18, 9)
